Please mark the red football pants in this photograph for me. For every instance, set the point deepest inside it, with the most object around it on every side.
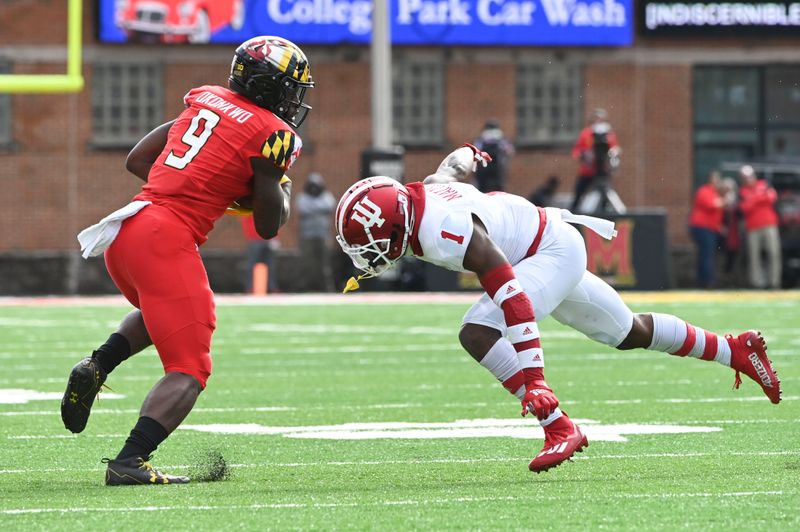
(155, 263)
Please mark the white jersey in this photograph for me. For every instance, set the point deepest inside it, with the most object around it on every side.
(445, 228)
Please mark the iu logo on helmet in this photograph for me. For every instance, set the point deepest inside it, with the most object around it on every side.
(367, 214)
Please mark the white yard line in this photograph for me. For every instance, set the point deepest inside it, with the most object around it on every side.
(401, 406)
(443, 461)
(401, 502)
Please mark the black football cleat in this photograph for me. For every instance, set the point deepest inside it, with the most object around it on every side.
(137, 471)
(85, 380)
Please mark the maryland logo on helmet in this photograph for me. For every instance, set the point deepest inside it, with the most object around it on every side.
(274, 73)
(286, 56)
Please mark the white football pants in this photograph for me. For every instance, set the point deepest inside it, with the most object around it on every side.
(557, 282)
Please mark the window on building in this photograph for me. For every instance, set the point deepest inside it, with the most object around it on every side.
(418, 102)
(549, 103)
(6, 132)
(126, 102)
(744, 113)
(782, 100)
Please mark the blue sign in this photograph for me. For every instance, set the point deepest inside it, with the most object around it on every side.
(413, 22)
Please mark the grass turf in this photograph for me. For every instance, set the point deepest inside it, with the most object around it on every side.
(306, 365)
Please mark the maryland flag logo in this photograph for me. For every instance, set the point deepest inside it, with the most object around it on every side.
(282, 148)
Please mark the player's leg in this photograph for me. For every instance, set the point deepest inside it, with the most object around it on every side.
(178, 312)
(546, 278)
(582, 186)
(87, 377)
(755, 266)
(165, 407)
(773, 247)
(596, 309)
(130, 338)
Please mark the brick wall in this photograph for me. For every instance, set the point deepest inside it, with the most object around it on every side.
(649, 102)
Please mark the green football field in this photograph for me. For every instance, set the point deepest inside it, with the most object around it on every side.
(358, 414)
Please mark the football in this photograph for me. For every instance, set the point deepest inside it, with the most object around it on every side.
(241, 207)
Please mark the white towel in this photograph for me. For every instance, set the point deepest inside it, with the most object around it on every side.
(602, 227)
(95, 239)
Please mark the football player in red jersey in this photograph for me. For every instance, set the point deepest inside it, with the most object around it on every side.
(228, 144)
(532, 264)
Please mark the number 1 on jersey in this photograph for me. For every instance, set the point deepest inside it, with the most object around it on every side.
(459, 239)
(195, 142)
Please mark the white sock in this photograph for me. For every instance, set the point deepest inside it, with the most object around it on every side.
(552, 417)
(674, 336)
(502, 361)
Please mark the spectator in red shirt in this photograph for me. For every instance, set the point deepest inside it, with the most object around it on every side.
(705, 224)
(597, 152)
(757, 203)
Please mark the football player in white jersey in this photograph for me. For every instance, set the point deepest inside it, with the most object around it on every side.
(532, 264)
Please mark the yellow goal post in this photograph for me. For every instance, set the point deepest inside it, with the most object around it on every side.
(72, 81)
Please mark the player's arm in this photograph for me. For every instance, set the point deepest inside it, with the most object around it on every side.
(144, 154)
(271, 199)
(497, 277)
(483, 255)
(458, 164)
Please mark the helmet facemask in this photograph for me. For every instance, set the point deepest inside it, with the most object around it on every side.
(292, 109)
(284, 97)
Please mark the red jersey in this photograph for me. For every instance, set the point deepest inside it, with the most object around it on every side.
(205, 165)
(583, 145)
(707, 211)
(757, 203)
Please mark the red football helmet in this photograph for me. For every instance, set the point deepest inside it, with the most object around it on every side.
(374, 220)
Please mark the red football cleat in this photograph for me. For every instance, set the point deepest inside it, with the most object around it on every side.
(749, 356)
(562, 439)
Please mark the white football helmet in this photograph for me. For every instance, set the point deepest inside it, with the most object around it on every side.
(374, 221)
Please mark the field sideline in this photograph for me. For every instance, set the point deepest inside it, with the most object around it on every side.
(631, 297)
(362, 412)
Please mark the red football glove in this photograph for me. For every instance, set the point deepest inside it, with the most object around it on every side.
(540, 401)
(478, 156)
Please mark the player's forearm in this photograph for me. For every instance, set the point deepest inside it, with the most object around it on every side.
(457, 164)
(267, 220)
(270, 209)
